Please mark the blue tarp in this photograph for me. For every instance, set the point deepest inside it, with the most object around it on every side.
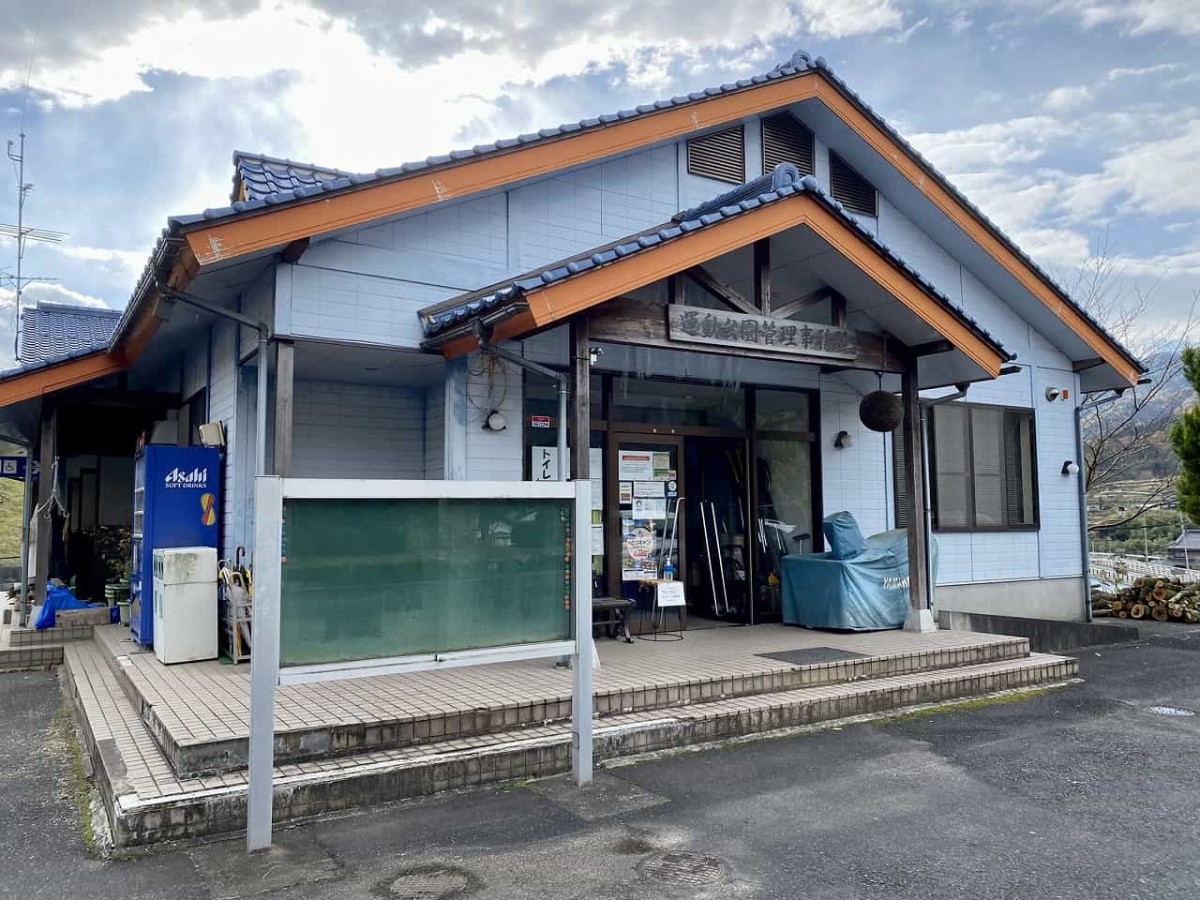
(62, 598)
(868, 592)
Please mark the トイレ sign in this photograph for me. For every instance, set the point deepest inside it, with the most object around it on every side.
(691, 324)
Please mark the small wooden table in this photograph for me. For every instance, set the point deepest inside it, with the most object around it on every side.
(615, 612)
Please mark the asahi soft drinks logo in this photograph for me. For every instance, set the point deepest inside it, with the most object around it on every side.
(178, 478)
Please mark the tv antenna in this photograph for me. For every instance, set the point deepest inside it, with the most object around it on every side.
(20, 232)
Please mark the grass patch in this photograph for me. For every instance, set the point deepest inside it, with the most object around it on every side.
(78, 785)
(948, 708)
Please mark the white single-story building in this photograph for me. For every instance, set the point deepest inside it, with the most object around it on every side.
(717, 280)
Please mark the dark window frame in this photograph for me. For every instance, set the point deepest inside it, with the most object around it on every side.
(973, 526)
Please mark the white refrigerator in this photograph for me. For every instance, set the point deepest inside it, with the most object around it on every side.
(185, 604)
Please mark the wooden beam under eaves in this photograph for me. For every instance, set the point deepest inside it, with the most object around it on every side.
(721, 290)
(789, 309)
(293, 251)
(762, 275)
(930, 348)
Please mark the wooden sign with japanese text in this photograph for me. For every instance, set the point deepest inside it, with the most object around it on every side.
(696, 325)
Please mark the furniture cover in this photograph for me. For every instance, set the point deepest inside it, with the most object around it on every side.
(864, 590)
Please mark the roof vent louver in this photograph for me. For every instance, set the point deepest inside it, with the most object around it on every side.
(720, 156)
(786, 140)
(850, 189)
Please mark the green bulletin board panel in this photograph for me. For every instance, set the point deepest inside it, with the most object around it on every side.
(369, 579)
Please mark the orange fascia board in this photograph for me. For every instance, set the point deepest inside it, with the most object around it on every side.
(57, 377)
(564, 299)
(280, 226)
(954, 209)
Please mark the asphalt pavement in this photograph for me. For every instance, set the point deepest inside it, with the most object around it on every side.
(1079, 792)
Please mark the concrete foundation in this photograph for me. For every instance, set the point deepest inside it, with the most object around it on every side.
(1055, 599)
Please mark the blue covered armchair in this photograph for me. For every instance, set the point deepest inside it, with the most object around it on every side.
(859, 584)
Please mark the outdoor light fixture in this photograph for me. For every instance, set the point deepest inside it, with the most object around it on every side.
(843, 440)
(494, 421)
(1070, 468)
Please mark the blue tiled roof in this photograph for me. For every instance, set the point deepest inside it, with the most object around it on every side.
(263, 176)
(799, 64)
(51, 331)
(776, 186)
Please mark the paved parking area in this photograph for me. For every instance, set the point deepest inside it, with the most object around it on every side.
(1082, 792)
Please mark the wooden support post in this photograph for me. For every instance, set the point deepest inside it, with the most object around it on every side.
(837, 310)
(45, 524)
(920, 617)
(581, 399)
(285, 365)
(762, 275)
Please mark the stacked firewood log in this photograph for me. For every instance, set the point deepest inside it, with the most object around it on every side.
(1151, 598)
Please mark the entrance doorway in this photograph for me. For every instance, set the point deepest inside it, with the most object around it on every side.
(711, 483)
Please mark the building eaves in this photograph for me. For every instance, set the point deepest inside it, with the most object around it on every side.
(36, 365)
(777, 186)
(800, 63)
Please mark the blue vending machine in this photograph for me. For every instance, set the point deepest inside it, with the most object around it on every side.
(175, 504)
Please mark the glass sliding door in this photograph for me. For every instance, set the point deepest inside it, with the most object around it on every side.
(646, 526)
(785, 502)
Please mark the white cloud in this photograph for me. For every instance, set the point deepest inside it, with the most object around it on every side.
(1123, 72)
(1137, 16)
(1065, 99)
(57, 293)
(989, 146)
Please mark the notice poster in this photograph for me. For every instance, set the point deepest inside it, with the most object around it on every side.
(670, 593)
(597, 540)
(649, 489)
(596, 462)
(635, 465)
(661, 463)
(649, 508)
(637, 550)
(625, 494)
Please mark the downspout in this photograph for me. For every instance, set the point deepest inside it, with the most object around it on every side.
(959, 393)
(264, 336)
(561, 378)
(1085, 550)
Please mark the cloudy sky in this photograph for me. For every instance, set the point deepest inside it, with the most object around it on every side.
(1074, 124)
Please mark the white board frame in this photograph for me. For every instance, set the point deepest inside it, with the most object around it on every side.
(265, 671)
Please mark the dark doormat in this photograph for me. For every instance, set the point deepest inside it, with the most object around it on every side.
(812, 656)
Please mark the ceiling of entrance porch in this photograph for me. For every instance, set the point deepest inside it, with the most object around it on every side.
(803, 265)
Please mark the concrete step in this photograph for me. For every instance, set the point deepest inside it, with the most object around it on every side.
(147, 803)
(31, 637)
(30, 659)
(194, 756)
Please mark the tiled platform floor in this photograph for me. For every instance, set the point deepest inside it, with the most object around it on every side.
(209, 701)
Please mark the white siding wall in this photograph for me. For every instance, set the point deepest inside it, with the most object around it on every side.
(855, 478)
(494, 456)
(358, 431)
(222, 406)
(195, 368)
(435, 432)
